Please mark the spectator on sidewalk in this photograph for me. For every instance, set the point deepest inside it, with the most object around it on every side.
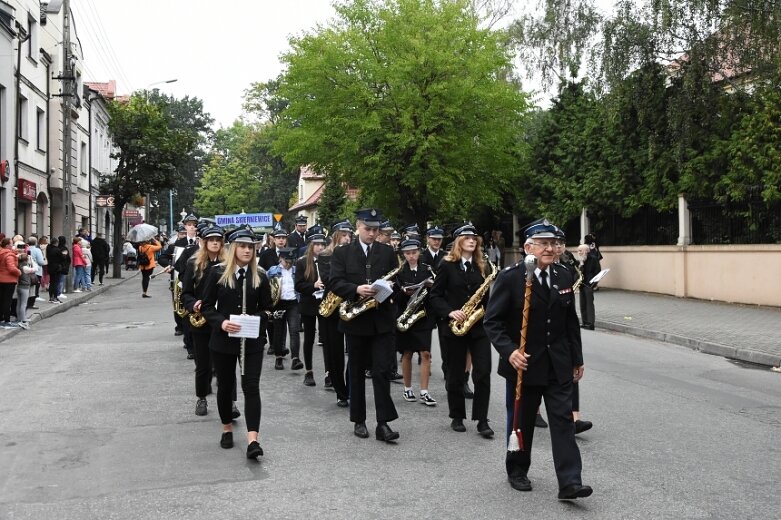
(588, 264)
(86, 250)
(37, 257)
(79, 264)
(148, 248)
(43, 244)
(101, 253)
(27, 273)
(59, 263)
(9, 275)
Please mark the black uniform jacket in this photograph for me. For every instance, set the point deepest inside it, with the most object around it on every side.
(349, 269)
(553, 336)
(452, 288)
(167, 256)
(220, 301)
(405, 278)
(307, 304)
(590, 267)
(192, 289)
(295, 241)
(268, 258)
(427, 258)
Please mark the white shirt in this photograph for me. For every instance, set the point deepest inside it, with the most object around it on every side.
(288, 285)
(365, 247)
(246, 271)
(537, 272)
(464, 260)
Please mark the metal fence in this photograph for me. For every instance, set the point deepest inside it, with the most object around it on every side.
(754, 222)
(647, 227)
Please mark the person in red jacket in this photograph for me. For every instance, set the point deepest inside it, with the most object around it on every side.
(79, 266)
(9, 275)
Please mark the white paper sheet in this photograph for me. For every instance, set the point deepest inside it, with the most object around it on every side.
(599, 276)
(383, 288)
(250, 326)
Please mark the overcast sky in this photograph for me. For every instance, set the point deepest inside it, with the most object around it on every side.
(214, 48)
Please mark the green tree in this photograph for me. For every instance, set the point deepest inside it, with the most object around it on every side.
(333, 201)
(150, 151)
(411, 101)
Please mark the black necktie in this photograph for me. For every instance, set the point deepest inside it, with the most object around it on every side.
(192, 241)
(241, 276)
(544, 278)
(368, 250)
(467, 266)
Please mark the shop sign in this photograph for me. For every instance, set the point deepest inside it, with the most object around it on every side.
(27, 190)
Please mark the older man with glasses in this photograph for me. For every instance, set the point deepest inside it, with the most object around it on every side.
(553, 360)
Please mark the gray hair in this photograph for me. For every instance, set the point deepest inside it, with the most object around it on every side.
(32, 241)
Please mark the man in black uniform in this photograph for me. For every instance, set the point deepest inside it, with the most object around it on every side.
(553, 360)
(270, 257)
(188, 242)
(354, 268)
(297, 239)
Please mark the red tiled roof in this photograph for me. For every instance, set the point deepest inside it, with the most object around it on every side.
(107, 90)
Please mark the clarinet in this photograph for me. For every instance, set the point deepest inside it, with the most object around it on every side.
(243, 311)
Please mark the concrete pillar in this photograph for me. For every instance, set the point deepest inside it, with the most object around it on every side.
(516, 229)
(585, 225)
(684, 222)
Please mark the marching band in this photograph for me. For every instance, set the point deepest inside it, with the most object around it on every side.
(374, 293)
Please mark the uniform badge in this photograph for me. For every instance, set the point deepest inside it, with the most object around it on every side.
(565, 291)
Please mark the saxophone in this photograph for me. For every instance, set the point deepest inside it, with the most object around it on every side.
(329, 304)
(414, 311)
(471, 309)
(579, 281)
(351, 310)
(276, 290)
(179, 308)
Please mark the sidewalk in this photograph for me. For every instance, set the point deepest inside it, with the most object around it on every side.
(46, 309)
(743, 332)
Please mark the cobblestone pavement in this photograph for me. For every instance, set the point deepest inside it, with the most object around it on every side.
(744, 332)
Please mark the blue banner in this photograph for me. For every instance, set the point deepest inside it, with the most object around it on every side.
(253, 219)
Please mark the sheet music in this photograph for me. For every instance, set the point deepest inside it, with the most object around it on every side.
(250, 326)
(599, 276)
(318, 294)
(383, 288)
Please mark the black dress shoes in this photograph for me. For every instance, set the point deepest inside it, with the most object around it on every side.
(278, 364)
(226, 441)
(458, 425)
(520, 483)
(254, 450)
(574, 491)
(235, 413)
(309, 379)
(200, 407)
(361, 431)
(581, 426)
(484, 430)
(384, 433)
(395, 377)
(297, 364)
(342, 403)
(539, 422)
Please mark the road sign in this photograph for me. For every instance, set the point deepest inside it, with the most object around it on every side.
(104, 201)
(278, 217)
(253, 219)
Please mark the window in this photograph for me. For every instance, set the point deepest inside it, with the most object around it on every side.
(22, 118)
(32, 41)
(41, 130)
(83, 158)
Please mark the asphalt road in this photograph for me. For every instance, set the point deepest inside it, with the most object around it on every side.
(96, 421)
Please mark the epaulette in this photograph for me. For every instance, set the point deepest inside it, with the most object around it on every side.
(514, 266)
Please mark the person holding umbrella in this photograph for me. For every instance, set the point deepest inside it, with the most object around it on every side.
(549, 360)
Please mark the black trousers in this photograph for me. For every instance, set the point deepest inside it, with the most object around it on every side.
(310, 330)
(333, 343)
(99, 269)
(225, 367)
(558, 405)
(203, 363)
(441, 325)
(53, 281)
(145, 277)
(187, 334)
(7, 293)
(587, 305)
(480, 348)
(575, 397)
(380, 349)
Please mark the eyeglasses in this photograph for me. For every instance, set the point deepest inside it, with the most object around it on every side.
(545, 245)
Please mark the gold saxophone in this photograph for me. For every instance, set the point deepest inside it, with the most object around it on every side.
(179, 308)
(329, 304)
(276, 290)
(414, 311)
(471, 309)
(579, 281)
(350, 310)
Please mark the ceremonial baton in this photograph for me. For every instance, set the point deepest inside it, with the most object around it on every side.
(516, 439)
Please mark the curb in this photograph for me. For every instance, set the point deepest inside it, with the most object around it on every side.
(72, 301)
(707, 347)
